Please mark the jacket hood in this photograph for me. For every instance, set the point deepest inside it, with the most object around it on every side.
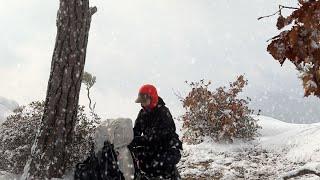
(161, 102)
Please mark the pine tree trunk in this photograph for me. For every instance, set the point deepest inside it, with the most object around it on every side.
(49, 153)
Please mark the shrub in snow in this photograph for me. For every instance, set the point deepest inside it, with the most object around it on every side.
(218, 114)
(18, 132)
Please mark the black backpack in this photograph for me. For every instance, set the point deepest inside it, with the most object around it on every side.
(101, 167)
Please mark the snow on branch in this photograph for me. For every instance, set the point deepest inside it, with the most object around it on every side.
(301, 172)
(299, 43)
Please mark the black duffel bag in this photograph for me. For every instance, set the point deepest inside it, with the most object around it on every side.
(101, 167)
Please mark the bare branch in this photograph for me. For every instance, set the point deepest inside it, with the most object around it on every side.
(278, 12)
(90, 101)
(178, 94)
(94, 105)
(287, 7)
(301, 173)
(93, 10)
(269, 15)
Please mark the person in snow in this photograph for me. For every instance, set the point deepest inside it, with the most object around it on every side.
(156, 145)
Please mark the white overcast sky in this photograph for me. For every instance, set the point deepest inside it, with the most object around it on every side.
(163, 42)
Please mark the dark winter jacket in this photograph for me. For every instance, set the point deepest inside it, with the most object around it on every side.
(156, 144)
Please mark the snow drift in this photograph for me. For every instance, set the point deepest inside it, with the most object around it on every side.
(299, 142)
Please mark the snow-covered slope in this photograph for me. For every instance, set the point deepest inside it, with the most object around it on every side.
(6, 107)
(281, 148)
(301, 142)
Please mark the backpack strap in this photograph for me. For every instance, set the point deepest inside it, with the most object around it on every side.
(110, 163)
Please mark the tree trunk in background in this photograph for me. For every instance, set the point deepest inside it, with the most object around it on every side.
(49, 154)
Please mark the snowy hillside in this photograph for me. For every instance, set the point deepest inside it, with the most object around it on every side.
(6, 107)
(301, 142)
(282, 148)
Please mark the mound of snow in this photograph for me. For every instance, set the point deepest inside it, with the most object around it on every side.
(9, 104)
(300, 142)
(272, 127)
(6, 107)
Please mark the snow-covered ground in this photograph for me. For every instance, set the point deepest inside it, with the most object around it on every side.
(6, 107)
(281, 149)
(300, 142)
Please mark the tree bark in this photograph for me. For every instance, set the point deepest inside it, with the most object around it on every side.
(49, 153)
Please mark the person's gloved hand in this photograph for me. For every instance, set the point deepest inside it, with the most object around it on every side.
(169, 157)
